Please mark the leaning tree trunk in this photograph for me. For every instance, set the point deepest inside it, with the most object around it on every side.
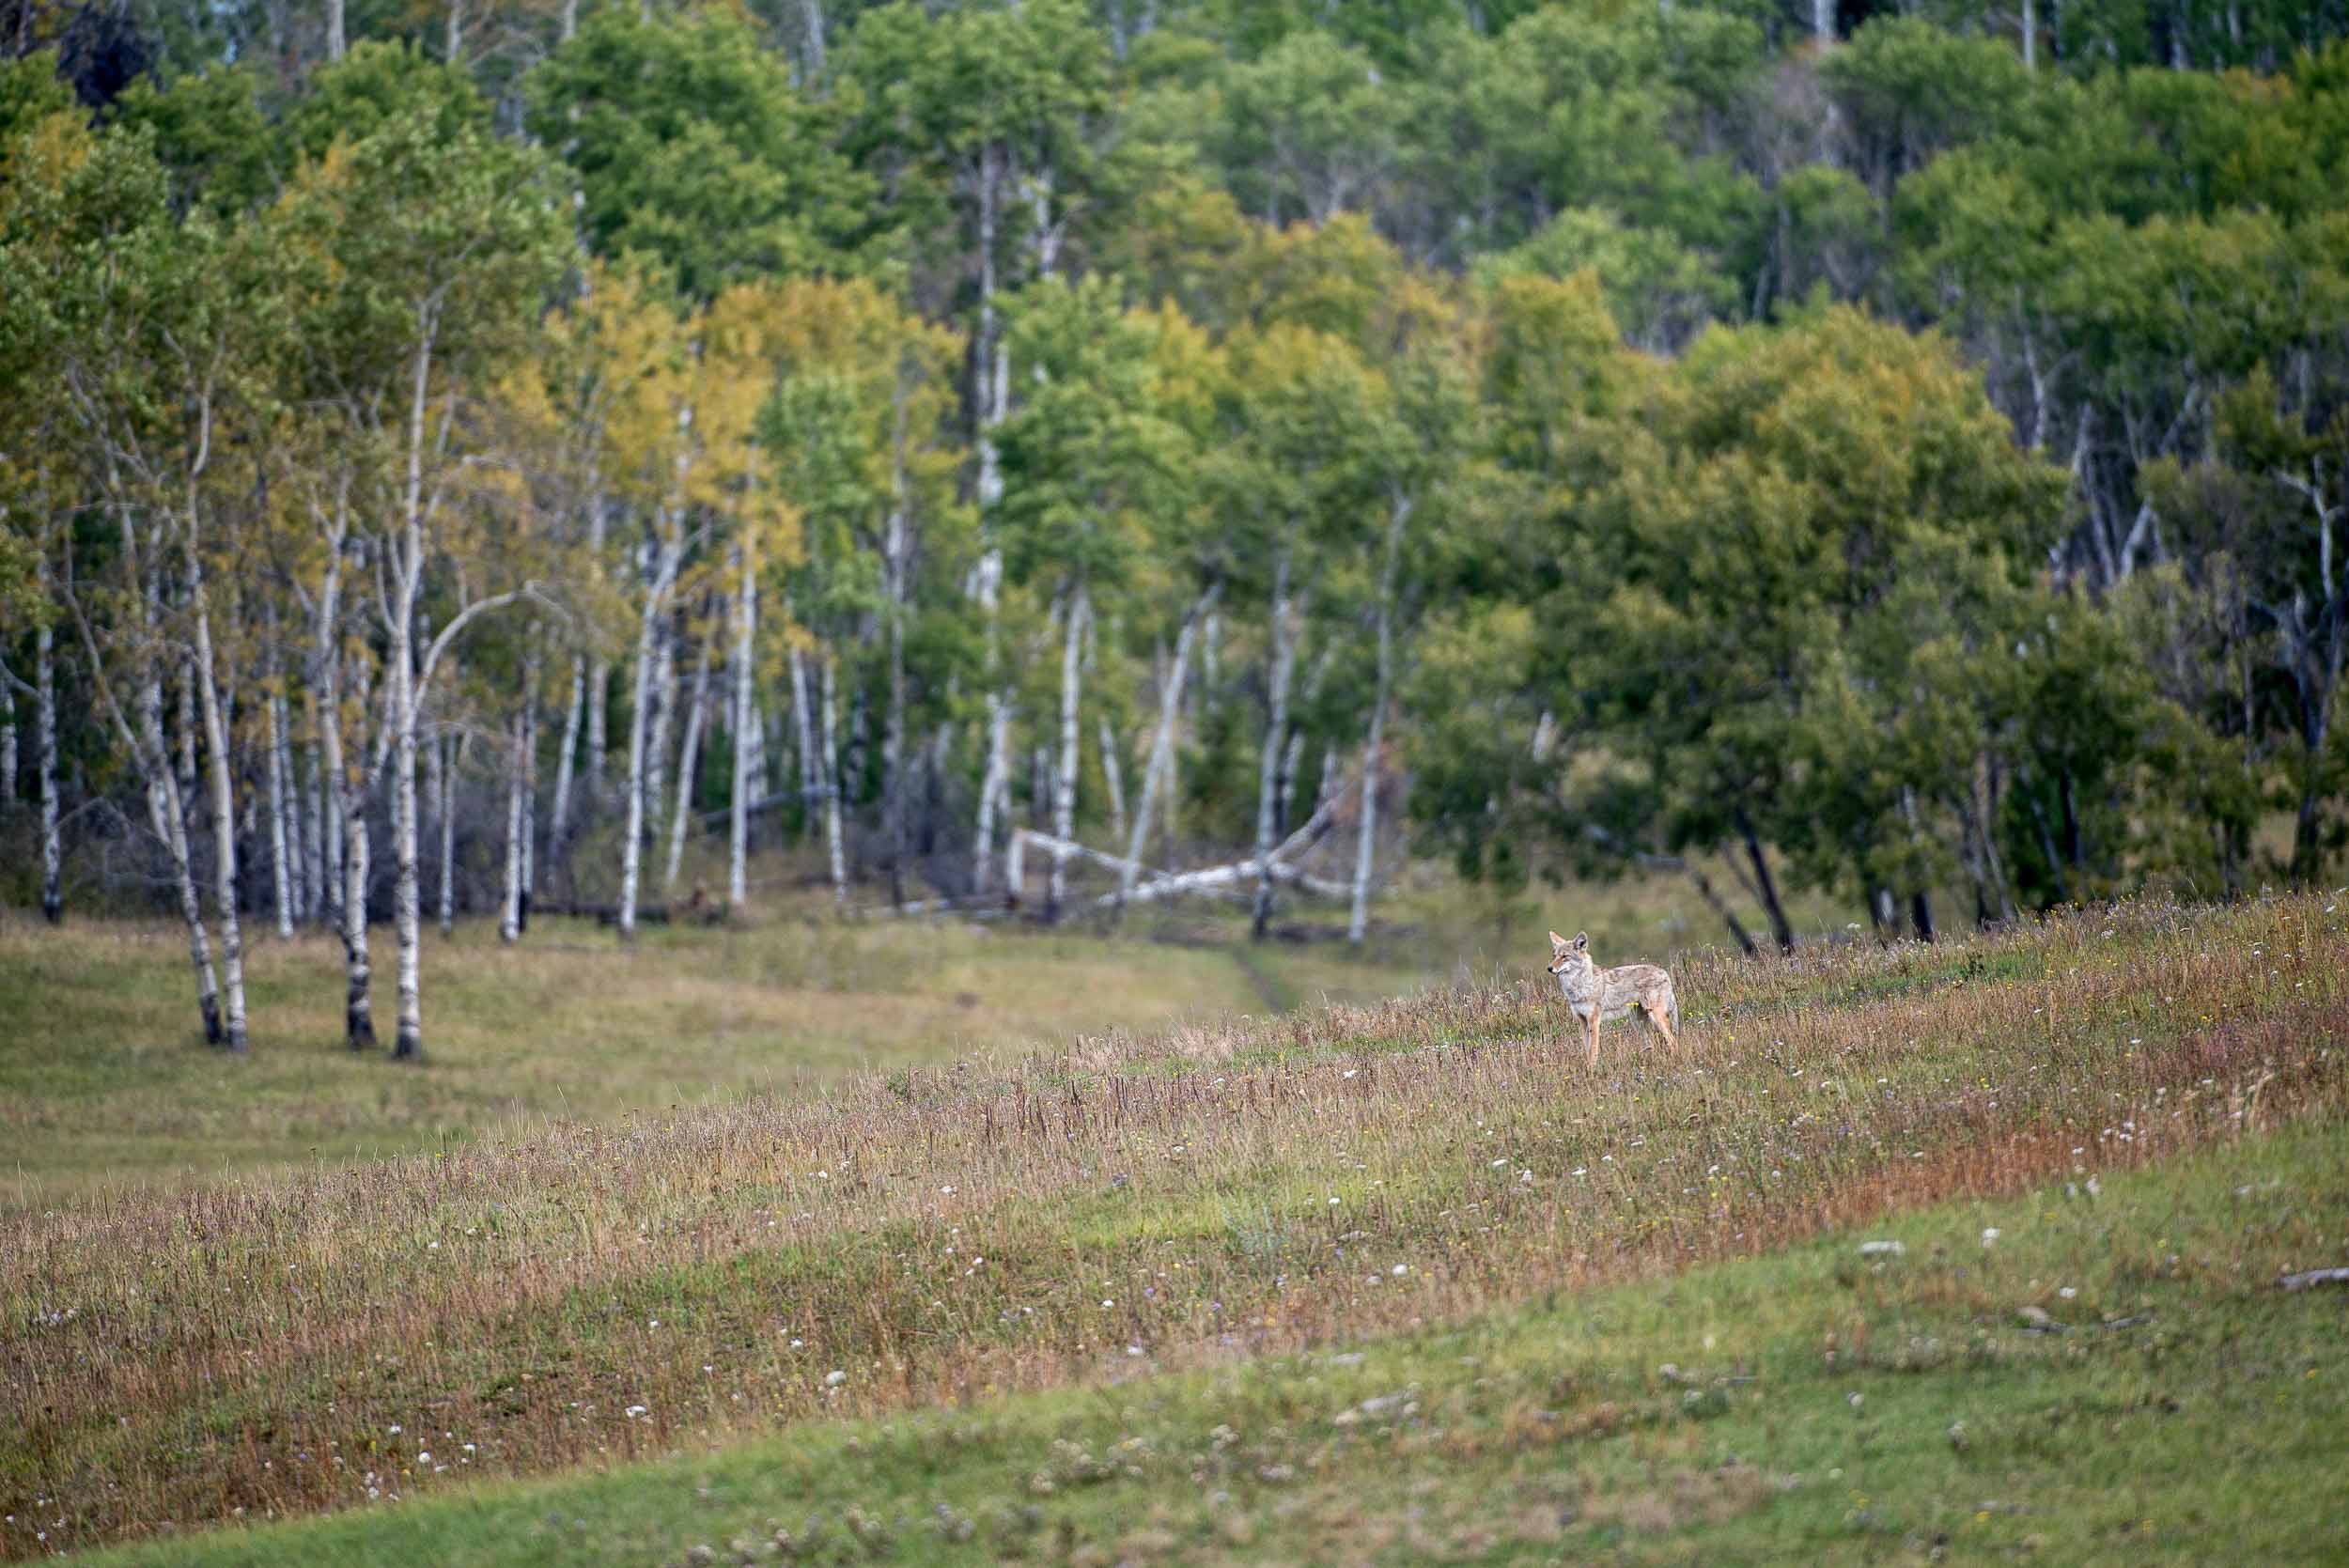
(1275, 739)
(688, 762)
(1157, 773)
(559, 816)
(1766, 885)
(1065, 782)
(166, 810)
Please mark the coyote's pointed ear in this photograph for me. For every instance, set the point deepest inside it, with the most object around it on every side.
(1557, 942)
(1582, 940)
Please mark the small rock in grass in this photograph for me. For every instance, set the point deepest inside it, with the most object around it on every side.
(1882, 1250)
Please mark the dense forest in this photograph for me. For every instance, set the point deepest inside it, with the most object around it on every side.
(459, 452)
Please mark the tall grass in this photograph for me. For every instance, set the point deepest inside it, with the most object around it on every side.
(288, 1343)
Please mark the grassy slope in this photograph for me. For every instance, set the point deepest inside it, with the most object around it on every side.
(99, 1080)
(1811, 1406)
(587, 1294)
(103, 1080)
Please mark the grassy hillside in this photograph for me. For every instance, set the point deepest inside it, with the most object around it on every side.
(2112, 1377)
(584, 1295)
(103, 1078)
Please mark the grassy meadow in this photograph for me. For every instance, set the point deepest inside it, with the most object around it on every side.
(103, 1078)
(1322, 1285)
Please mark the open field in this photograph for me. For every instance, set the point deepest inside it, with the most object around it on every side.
(103, 1078)
(2114, 1378)
(949, 1235)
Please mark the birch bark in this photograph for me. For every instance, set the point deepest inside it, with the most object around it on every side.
(281, 867)
(510, 908)
(830, 765)
(668, 556)
(1157, 774)
(688, 761)
(1065, 785)
(559, 816)
(45, 721)
(743, 722)
(1358, 919)
(1276, 730)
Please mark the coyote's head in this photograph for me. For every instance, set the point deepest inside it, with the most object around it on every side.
(1565, 955)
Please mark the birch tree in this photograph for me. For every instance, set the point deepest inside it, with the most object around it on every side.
(1091, 461)
(437, 245)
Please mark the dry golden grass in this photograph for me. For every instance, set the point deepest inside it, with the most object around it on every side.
(292, 1342)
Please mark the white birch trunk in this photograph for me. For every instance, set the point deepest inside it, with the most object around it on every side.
(45, 721)
(830, 765)
(1065, 785)
(448, 754)
(1112, 776)
(358, 975)
(510, 908)
(994, 786)
(167, 811)
(306, 854)
(632, 837)
(803, 722)
(665, 687)
(224, 818)
(745, 725)
(1157, 774)
(688, 762)
(335, 45)
(530, 788)
(346, 861)
(598, 725)
(893, 769)
(406, 581)
(1358, 920)
(281, 866)
(188, 726)
(559, 820)
(1275, 739)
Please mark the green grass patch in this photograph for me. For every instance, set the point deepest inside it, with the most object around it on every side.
(2109, 1377)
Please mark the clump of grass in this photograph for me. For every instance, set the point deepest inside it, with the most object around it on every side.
(587, 1293)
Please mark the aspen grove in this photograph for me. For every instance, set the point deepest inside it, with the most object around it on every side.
(1054, 458)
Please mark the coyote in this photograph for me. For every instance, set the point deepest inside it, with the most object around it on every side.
(1595, 993)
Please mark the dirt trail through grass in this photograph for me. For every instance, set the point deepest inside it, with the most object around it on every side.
(932, 1237)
